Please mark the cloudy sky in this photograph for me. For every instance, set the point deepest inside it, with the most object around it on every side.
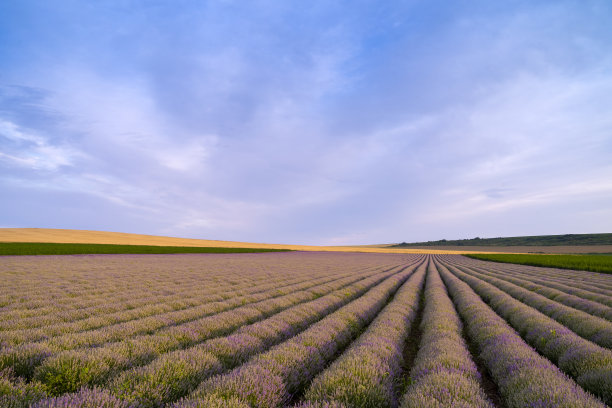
(317, 122)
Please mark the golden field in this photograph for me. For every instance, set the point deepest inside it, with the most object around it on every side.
(121, 238)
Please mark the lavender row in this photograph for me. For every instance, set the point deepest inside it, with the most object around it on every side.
(593, 294)
(25, 358)
(34, 334)
(179, 320)
(134, 321)
(175, 374)
(57, 314)
(270, 379)
(576, 302)
(101, 398)
(150, 324)
(67, 280)
(592, 328)
(590, 281)
(231, 280)
(367, 373)
(589, 364)
(87, 398)
(524, 378)
(573, 288)
(168, 377)
(43, 280)
(136, 297)
(16, 393)
(69, 370)
(444, 373)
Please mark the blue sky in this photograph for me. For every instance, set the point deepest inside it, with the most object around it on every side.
(320, 122)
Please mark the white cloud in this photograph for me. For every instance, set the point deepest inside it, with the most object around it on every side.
(33, 151)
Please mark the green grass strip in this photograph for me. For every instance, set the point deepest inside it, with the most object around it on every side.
(45, 248)
(593, 263)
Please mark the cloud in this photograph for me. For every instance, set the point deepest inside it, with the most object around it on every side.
(21, 148)
(363, 122)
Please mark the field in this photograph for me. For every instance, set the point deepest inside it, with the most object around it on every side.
(51, 248)
(537, 240)
(594, 263)
(47, 235)
(301, 329)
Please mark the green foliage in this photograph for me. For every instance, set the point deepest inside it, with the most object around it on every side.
(16, 393)
(593, 263)
(539, 240)
(45, 248)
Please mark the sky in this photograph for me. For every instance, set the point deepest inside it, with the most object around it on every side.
(318, 122)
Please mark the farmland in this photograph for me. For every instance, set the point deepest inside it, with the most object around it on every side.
(595, 263)
(50, 248)
(301, 329)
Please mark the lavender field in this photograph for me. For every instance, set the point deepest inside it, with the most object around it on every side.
(301, 329)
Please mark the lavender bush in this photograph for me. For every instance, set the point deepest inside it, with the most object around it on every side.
(367, 373)
(175, 374)
(524, 378)
(576, 356)
(590, 327)
(271, 378)
(444, 373)
(70, 370)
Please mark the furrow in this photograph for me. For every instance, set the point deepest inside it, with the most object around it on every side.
(444, 373)
(587, 306)
(524, 378)
(69, 370)
(592, 328)
(589, 364)
(571, 287)
(367, 373)
(270, 379)
(142, 317)
(175, 374)
(24, 358)
(591, 281)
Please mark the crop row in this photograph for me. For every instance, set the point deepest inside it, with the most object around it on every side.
(175, 374)
(272, 378)
(591, 281)
(336, 337)
(36, 282)
(368, 372)
(562, 275)
(557, 289)
(69, 370)
(196, 297)
(593, 328)
(68, 307)
(159, 311)
(589, 364)
(23, 358)
(444, 373)
(524, 378)
(75, 282)
(591, 292)
(150, 281)
(577, 302)
(172, 368)
(133, 297)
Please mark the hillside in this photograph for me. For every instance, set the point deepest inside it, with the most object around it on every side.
(119, 238)
(537, 240)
